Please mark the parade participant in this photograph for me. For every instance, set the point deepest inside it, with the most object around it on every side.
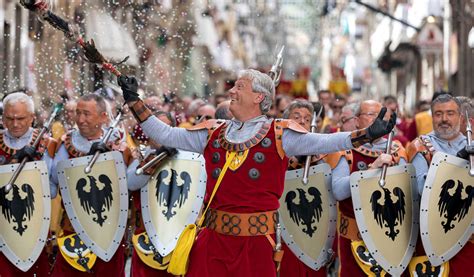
(300, 111)
(135, 183)
(252, 186)
(349, 120)
(15, 144)
(204, 113)
(222, 111)
(344, 163)
(91, 117)
(447, 138)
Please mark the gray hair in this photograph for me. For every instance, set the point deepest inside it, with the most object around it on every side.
(466, 106)
(261, 83)
(298, 104)
(99, 100)
(19, 97)
(444, 98)
(354, 108)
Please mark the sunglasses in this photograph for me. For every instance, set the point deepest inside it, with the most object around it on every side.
(206, 117)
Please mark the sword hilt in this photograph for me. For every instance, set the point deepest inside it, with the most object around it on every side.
(152, 162)
(469, 143)
(385, 166)
(105, 139)
(314, 127)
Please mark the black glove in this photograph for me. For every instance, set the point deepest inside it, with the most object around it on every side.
(465, 152)
(129, 87)
(169, 150)
(381, 127)
(27, 151)
(98, 146)
(29, 4)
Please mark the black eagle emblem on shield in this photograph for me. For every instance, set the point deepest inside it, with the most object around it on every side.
(17, 208)
(171, 194)
(306, 212)
(454, 206)
(95, 201)
(390, 214)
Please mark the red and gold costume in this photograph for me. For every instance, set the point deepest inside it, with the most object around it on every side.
(347, 231)
(41, 267)
(116, 266)
(243, 214)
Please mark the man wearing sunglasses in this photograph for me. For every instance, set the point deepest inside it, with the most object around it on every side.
(253, 184)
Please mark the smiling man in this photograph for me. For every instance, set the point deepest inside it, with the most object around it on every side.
(447, 138)
(250, 189)
(91, 118)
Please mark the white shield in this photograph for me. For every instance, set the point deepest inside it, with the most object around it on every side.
(308, 215)
(26, 211)
(387, 217)
(173, 198)
(96, 203)
(447, 215)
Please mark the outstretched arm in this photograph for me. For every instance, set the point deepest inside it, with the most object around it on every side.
(159, 132)
(296, 144)
(156, 130)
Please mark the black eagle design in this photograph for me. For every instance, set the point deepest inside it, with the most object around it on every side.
(16, 208)
(453, 206)
(306, 212)
(96, 200)
(390, 214)
(171, 195)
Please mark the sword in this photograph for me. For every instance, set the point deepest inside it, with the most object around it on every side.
(278, 245)
(156, 160)
(91, 163)
(275, 71)
(385, 166)
(56, 110)
(314, 125)
(469, 144)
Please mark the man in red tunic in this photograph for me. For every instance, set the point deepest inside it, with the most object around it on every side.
(91, 116)
(15, 144)
(344, 163)
(241, 221)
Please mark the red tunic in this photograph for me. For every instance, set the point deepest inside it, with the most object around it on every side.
(215, 254)
(41, 267)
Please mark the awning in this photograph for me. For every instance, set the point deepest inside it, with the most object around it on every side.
(110, 38)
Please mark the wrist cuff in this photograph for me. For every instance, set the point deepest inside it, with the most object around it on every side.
(139, 111)
(359, 137)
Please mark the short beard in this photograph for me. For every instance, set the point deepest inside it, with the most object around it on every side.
(449, 133)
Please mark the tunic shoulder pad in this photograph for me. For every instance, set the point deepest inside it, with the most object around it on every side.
(419, 145)
(211, 124)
